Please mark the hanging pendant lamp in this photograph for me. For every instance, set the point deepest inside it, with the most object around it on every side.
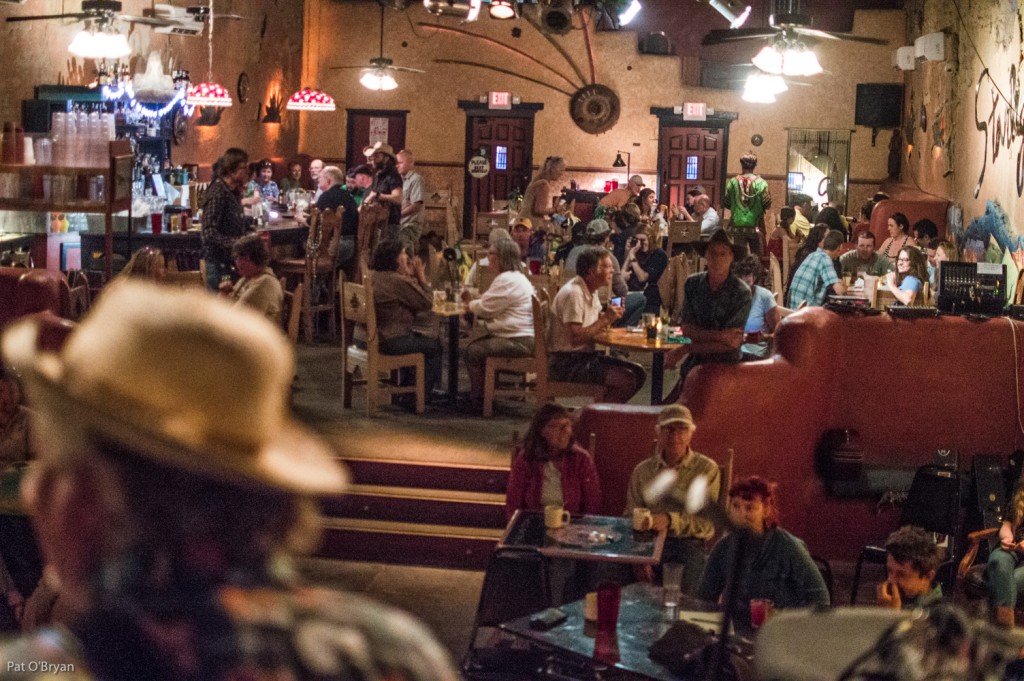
(210, 93)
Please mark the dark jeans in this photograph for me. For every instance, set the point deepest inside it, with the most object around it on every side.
(430, 348)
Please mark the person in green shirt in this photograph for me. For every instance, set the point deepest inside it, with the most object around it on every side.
(911, 559)
(748, 198)
(865, 259)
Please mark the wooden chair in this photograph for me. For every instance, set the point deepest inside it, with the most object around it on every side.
(485, 276)
(776, 272)
(357, 311)
(788, 254)
(682, 233)
(79, 296)
(293, 305)
(317, 266)
(372, 219)
(537, 364)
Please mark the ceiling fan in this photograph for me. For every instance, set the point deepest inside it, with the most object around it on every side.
(164, 18)
(378, 75)
(789, 24)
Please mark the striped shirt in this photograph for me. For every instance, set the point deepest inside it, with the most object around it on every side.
(812, 279)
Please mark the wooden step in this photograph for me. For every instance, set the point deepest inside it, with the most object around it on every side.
(422, 544)
(393, 473)
(419, 505)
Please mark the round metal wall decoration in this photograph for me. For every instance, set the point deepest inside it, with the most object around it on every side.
(179, 126)
(243, 87)
(594, 108)
(757, 140)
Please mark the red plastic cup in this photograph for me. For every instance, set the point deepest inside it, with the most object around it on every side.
(158, 222)
(615, 184)
(535, 267)
(607, 186)
(609, 595)
(760, 609)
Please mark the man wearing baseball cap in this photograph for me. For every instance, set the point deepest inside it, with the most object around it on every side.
(617, 198)
(172, 484)
(687, 533)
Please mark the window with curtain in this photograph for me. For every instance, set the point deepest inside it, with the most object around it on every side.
(821, 158)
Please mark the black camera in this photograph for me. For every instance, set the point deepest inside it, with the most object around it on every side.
(632, 242)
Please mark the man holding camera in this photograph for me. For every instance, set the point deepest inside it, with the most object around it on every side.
(576, 319)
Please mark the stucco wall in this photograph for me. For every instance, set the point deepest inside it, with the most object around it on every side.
(36, 52)
(436, 127)
(948, 91)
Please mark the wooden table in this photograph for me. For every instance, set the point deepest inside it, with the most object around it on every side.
(642, 621)
(451, 310)
(629, 341)
(609, 539)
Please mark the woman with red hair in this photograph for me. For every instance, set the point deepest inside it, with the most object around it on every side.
(776, 565)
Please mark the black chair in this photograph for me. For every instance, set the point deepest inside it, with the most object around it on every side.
(826, 574)
(933, 504)
(515, 585)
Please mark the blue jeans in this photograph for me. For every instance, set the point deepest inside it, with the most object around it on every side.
(1005, 579)
(214, 272)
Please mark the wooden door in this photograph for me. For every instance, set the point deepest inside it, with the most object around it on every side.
(366, 126)
(692, 156)
(507, 142)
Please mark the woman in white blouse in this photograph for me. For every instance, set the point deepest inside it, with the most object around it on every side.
(506, 309)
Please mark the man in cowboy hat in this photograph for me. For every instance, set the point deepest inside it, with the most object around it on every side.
(387, 185)
(715, 310)
(170, 487)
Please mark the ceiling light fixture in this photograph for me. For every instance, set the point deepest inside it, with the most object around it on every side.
(728, 10)
(101, 42)
(761, 88)
(209, 93)
(377, 79)
(793, 60)
(467, 10)
(504, 9)
(313, 99)
(630, 12)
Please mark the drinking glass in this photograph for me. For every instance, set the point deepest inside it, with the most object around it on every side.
(672, 584)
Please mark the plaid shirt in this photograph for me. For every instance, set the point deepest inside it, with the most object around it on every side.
(810, 281)
(223, 222)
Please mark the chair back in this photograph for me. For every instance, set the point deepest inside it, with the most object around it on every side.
(515, 585)
(294, 316)
(371, 219)
(933, 502)
(682, 232)
(330, 226)
(485, 276)
(776, 272)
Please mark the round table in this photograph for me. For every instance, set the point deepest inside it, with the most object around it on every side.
(628, 341)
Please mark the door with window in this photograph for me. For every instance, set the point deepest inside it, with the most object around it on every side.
(506, 141)
(692, 156)
(368, 126)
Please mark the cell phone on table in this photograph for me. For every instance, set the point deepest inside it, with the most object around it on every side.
(547, 619)
(616, 301)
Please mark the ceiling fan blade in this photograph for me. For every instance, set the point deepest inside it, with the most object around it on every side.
(233, 17)
(405, 68)
(726, 35)
(339, 68)
(40, 17)
(148, 21)
(832, 35)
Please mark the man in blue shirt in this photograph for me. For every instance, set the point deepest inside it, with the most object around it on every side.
(817, 273)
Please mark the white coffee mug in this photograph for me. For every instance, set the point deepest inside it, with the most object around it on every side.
(642, 520)
(555, 517)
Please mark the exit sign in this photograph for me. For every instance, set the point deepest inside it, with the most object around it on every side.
(695, 111)
(499, 100)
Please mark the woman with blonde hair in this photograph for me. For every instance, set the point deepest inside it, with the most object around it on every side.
(1005, 570)
(537, 199)
(147, 263)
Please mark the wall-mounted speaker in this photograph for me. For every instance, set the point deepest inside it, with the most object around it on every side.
(556, 16)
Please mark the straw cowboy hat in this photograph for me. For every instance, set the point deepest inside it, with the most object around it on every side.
(385, 149)
(184, 379)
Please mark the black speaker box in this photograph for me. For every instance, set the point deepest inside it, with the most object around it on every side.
(989, 488)
(655, 43)
(35, 115)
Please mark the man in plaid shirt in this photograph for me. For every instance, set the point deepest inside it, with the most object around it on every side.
(816, 273)
(224, 220)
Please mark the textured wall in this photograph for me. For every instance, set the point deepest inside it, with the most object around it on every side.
(954, 112)
(436, 127)
(36, 52)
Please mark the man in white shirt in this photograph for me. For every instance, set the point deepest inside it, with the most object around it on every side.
(576, 319)
(315, 166)
(412, 200)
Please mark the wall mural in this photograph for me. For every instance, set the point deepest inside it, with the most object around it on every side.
(1002, 125)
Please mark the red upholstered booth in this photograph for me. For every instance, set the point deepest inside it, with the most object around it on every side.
(947, 383)
(24, 291)
(914, 209)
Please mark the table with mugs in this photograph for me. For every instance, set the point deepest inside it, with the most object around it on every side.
(556, 533)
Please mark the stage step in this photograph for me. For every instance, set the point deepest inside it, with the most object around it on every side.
(413, 513)
(419, 505)
(466, 478)
(430, 545)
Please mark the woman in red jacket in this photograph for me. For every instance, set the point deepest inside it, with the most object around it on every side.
(550, 470)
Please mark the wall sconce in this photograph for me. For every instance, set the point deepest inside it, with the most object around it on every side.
(273, 109)
(618, 163)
